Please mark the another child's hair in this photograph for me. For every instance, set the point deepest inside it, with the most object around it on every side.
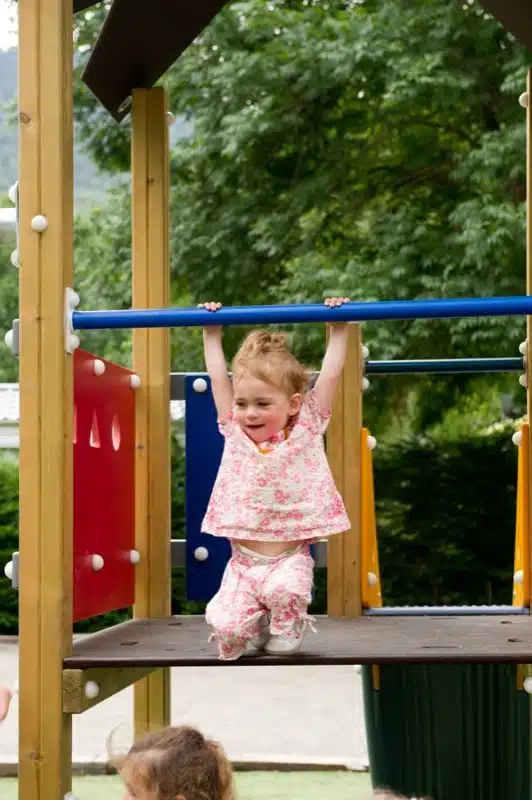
(180, 761)
(266, 355)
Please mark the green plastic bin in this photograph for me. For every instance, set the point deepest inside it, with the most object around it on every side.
(449, 732)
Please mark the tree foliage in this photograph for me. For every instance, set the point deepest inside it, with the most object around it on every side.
(373, 148)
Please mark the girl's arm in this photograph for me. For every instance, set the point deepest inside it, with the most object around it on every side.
(333, 361)
(222, 388)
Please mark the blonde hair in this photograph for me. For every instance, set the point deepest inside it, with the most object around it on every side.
(180, 761)
(266, 356)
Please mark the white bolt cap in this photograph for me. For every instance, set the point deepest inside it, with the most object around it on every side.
(8, 338)
(14, 258)
(527, 685)
(73, 341)
(73, 298)
(12, 193)
(518, 577)
(365, 352)
(8, 570)
(523, 380)
(39, 223)
(97, 562)
(372, 443)
(523, 348)
(170, 118)
(134, 381)
(199, 385)
(372, 579)
(517, 438)
(134, 556)
(91, 690)
(365, 384)
(98, 366)
(523, 99)
(201, 554)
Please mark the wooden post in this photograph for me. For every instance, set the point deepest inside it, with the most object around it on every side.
(46, 396)
(529, 292)
(151, 359)
(343, 450)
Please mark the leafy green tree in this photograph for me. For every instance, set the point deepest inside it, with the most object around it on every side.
(375, 149)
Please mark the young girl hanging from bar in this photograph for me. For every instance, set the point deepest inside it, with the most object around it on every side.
(274, 494)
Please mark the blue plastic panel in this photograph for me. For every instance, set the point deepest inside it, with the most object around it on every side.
(203, 451)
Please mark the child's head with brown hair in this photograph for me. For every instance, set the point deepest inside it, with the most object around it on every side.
(266, 355)
(177, 764)
(269, 383)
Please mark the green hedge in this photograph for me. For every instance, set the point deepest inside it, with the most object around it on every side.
(445, 514)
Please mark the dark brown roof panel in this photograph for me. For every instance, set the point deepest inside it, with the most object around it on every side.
(139, 42)
(515, 15)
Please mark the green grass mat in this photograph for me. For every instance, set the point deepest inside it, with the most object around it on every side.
(250, 786)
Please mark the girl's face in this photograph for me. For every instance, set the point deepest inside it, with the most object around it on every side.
(262, 410)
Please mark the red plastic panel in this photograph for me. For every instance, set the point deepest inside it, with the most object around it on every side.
(104, 486)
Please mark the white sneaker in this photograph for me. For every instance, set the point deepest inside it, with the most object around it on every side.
(281, 644)
(263, 637)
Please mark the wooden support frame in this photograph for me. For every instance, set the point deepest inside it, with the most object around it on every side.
(343, 450)
(108, 679)
(46, 395)
(151, 361)
(529, 292)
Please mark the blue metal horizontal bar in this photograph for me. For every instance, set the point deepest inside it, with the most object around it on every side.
(445, 611)
(449, 366)
(267, 315)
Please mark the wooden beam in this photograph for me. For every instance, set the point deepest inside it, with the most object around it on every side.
(343, 450)
(46, 396)
(77, 694)
(529, 291)
(151, 360)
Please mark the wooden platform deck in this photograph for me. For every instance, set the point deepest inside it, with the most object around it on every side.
(183, 642)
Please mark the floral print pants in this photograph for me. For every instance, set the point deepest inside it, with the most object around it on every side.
(254, 584)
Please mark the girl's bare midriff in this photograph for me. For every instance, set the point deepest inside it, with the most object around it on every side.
(266, 548)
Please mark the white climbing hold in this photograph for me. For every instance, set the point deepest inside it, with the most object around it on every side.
(134, 381)
(199, 385)
(523, 99)
(527, 685)
(365, 352)
(8, 339)
(14, 258)
(201, 554)
(134, 556)
(97, 562)
(372, 443)
(523, 380)
(98, 366)
(39, 223)
(517, 438)
(8, 570)
(365, 384)
(523, 348)
(518, 577)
